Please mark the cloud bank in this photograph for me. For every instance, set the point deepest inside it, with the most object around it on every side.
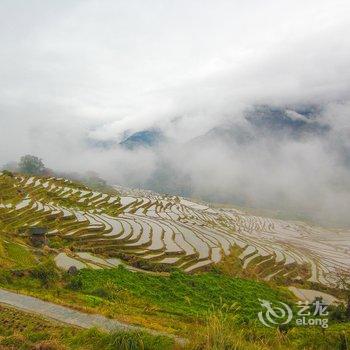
(78, 75)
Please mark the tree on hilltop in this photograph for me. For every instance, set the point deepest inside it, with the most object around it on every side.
(31, 165)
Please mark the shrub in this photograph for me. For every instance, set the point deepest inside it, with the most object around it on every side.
(337, 313)
(46, 272)
(76, 283)
(102, 293)
(5, 277)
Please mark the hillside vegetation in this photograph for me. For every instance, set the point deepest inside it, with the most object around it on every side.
(156, 261)
(150, 230)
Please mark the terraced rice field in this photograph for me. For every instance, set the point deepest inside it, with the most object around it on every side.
(167, 229)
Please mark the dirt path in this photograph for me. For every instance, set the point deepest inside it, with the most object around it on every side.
(69, 316)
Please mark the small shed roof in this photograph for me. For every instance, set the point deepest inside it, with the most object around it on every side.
(37, 231)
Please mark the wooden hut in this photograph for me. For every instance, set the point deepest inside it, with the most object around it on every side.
(37, 236)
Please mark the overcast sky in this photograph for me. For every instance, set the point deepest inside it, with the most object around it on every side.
(72, 70)
(130, 62)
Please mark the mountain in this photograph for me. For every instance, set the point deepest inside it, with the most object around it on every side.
(264, 121)
(288, 121)
(226, 134)
(144, 138)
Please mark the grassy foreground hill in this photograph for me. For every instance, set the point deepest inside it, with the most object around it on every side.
(174, 275)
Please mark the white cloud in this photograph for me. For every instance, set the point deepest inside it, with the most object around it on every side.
(95, 69)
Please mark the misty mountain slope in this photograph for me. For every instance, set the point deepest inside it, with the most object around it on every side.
(266, 121)
(263, 158)
(165, 230)
(144, 138)
(293, 122)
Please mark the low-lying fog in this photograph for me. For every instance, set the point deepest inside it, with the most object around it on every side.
(248, 101)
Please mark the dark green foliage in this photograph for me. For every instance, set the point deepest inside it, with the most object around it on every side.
(31, 165)
(76, 283)
(5, 277)
(46, 272)
(338, 313)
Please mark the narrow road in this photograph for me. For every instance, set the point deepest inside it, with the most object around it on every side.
(69, 316)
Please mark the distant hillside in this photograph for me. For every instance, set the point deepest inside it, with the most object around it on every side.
(266, 121)
(145, 138)
(153, 231)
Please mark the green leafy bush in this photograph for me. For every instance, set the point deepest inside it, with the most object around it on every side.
(46, 272)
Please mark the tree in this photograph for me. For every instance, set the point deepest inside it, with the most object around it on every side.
(31, 165)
